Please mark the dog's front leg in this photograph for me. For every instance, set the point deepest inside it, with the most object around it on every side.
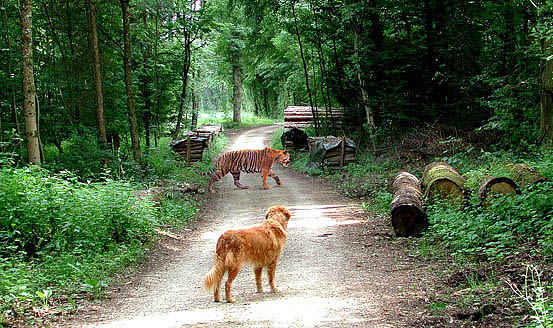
(257, 272)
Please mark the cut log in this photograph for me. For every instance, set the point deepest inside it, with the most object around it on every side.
(440, 180)
(495, 186)
(524, 175)
(408, 216)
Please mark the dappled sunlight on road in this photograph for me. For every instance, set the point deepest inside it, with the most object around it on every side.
(319, 216)
(311, 216)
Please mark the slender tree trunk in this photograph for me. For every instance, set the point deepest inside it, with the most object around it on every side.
(185, 70)
(364, 94)
(325, 93)
(135, 143)
(430, 63)
(97, 72)
(237, 94)
(315, 116)
(546, 93)
(156, 76)
(146, 93)
(29, 89)
(9, 71)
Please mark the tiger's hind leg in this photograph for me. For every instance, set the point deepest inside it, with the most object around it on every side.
(216, 177)
(274, 176)
(236, 177)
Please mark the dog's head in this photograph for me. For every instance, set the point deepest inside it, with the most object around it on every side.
(279, 213)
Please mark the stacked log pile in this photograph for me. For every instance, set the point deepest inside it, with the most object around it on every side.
(208, 131)
(408, 216)
(440, 180)
(340, 152)
(191, 147)
(302, 116)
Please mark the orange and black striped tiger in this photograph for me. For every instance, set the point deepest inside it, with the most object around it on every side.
(248, 161)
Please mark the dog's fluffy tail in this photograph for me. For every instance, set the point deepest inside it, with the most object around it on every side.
(214, 276)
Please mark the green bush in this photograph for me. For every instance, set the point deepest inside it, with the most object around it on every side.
(56, 232)
(499, 230)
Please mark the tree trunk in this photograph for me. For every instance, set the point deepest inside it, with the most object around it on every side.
(97, 71)
(315, 118)
(146, 93)
(364, 94)
(237, 96)
(9, 71)
(128, 80)
(29, 89)
(431, 62)
(546, 93)
(195, 103)
(185, 70)
(156, 76)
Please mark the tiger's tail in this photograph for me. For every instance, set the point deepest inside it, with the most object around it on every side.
(210, 172)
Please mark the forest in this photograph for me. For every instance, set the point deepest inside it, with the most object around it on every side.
(92, 92)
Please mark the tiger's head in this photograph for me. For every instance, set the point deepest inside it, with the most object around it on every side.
(280, 156)
(284, 158)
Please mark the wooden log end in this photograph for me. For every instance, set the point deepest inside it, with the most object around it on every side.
(408, 220)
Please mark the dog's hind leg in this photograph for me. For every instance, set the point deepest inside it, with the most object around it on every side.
(231, 275)
(217, 291)
(257, 272)
(271, 268)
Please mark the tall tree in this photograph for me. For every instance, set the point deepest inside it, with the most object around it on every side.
(128, 80)
(306, 74)
(29, 89)
(237, 90)
(97, 72)
(546, 91)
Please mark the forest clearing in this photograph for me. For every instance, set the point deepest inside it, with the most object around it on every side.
(420, 135)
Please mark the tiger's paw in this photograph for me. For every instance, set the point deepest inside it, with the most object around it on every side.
(266, 187)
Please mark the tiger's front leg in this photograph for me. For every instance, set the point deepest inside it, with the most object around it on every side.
(264, 174)
(236, 177)
(277, 179)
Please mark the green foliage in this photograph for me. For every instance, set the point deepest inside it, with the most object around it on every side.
(56, 232)
(535, 293)
(276, 143)
(81, 156)
(502, 229)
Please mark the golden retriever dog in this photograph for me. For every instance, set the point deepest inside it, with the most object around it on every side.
(259, 246)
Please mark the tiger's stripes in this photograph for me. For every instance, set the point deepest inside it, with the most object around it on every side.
(247, 161)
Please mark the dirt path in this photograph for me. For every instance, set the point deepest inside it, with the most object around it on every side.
(339, 267)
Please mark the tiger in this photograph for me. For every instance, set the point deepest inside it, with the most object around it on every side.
(247, 161)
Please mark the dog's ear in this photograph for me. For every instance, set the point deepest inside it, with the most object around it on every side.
(287, 213)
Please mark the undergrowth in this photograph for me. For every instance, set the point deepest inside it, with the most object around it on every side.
(63, 237)
(512, 230)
